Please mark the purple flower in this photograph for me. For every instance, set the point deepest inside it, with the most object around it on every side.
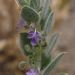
(34, 36)
(21, 24)
(32, 72)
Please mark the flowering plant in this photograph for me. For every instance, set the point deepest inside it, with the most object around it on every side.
(36, 23)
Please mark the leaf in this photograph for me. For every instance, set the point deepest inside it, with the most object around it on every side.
(29, 14)
(24, 2)
(45, 8)
(35, 4)
(48, 24)
(63, 73)
(51, 44)
(44, 61)
(22, 65)
(52, 64)
(44, 17)
(42, 3)
(46, 57)
(25, 41)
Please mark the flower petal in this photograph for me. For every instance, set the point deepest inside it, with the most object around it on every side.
(21, 24)
(33, 42)
(34, 36)
(32, 72)
(30, 34)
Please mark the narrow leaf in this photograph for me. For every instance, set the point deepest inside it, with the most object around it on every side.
(48, 23)
(52, 64)
(51, 44)
(45, 8)
(45, 61)
(35, 4)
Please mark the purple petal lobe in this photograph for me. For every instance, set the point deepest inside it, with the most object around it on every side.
(32, 72)
(21, 24)
(34, 36)
(34, 42)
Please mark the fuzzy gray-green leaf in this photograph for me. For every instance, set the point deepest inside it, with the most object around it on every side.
(29, 14)
(45, 61)
(45, 8)
(48, 23)
(51, 44)
(22, 65)
(35, 4)
(24, 2)
(52, 64)
(25, 41)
